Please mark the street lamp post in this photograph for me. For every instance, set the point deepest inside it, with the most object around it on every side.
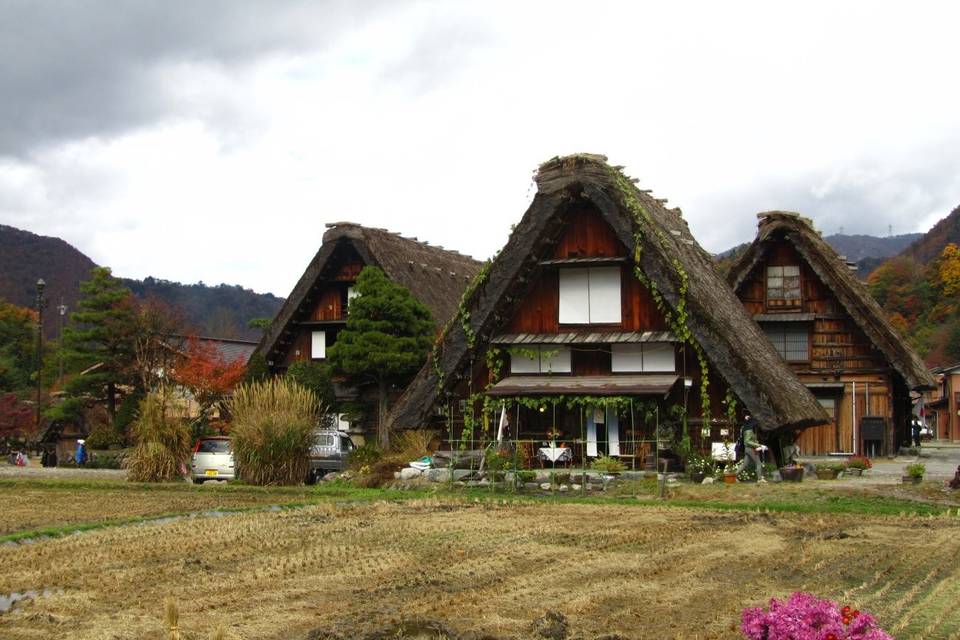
(63, 312)
(41, 303)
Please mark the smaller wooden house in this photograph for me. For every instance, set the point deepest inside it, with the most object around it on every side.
(942, 404)
(825, 324)
(317, 308)
(599, 325)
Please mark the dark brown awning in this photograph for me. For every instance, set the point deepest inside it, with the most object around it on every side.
(583, 337)
(640, 385)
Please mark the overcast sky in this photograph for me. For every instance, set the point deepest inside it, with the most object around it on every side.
(212, 140)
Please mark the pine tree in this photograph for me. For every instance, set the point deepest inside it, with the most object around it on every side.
(99, 342)
(18, 359)
(386, 339)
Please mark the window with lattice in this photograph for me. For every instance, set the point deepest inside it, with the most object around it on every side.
(783, 286)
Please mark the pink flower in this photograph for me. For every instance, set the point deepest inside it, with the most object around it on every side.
(805, 617)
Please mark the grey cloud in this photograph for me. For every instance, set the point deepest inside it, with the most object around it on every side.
(860, 199)
(71, 70)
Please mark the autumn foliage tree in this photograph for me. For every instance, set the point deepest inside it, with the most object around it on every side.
(208, 375)
(16, 418)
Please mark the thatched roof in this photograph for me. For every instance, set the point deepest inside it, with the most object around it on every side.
(836, 274)
(732, 342)
(435, 276)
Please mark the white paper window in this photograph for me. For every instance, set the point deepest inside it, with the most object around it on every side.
(554, 359)
(590, 296)
(605, 295)
(574, 296)
(659, 356)
(545, 359)
(351, 294)
(318, 345)
(626, 358)
(783, 282)
(650, 357)
(524, 363)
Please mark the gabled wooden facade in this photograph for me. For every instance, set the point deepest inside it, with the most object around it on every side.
(826, 326)
(600, 320)
(316, 311)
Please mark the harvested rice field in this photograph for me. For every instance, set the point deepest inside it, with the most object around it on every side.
(437, 567)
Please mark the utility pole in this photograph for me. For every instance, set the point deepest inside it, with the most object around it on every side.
(63, 312)
(41, 303)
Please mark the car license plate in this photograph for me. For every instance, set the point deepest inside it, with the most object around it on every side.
(211, 472)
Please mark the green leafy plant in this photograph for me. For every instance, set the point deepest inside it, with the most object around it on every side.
(915, 470)
(700, 464)
(608, 465)
(526, 476)
(836, 467)
(364, 456)
(273, 431)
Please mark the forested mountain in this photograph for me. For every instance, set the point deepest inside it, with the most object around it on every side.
(221, 311)
(920, 291)
(866, 251)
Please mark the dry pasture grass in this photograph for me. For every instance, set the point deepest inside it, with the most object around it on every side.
(481, 568)
(26, 508)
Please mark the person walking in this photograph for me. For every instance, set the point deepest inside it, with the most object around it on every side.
(81, 455)
(751, 448)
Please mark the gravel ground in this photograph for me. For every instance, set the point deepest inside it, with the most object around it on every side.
(34, 470)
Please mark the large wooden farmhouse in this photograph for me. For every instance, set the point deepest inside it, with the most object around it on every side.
(316, 310)
(825, 324)
(601, 325)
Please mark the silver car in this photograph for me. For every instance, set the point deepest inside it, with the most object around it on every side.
(212, 460)
(329, 453)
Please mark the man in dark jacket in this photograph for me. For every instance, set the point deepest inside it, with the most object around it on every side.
(751, 448)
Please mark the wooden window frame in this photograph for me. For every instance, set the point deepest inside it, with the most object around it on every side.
(781, 302)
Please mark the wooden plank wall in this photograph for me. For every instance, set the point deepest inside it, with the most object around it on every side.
(839, 352)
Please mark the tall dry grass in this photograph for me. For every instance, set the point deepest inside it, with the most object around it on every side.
(162, 443)
(273, 426)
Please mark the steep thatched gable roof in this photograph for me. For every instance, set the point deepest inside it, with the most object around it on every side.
(837, 275)
(435, 276)
(666, 254)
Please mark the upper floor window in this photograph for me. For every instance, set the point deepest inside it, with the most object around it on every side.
(783, 286)
(590, 296)
(790, 339)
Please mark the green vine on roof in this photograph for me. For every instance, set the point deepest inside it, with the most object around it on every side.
(677, 318)
(463, 317)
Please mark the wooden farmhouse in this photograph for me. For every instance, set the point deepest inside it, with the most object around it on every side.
(943, 403)
(602, 326)
(317, 308)
(825, 324)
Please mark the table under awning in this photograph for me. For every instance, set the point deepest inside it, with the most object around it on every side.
(640, 385)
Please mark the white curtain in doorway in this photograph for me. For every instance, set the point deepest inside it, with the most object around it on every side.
(591, 436)
(613, 432)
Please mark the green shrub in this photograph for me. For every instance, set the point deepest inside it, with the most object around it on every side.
(104, 436)
(113, 459)
(836, 467)
(162, 443)
(608, 465)
(365, 455)
(273, 430)
(916, 470)
(526, 476)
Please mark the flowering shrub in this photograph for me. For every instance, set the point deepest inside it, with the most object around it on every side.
(805, 617)
(859, 462)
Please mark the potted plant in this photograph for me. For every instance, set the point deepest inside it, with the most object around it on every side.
(608, 466)
(730, 473)
(792, 472)
(699, 467)
(857, 465)
(913, 473)
(828, 470)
